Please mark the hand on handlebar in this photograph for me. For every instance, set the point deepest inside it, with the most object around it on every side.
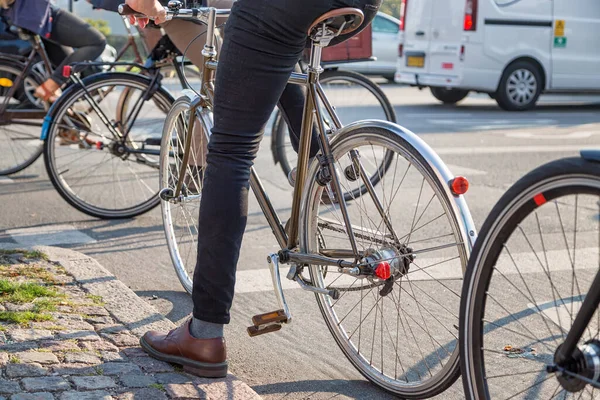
(150, 8)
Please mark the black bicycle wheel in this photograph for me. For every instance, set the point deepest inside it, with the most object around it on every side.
(355, 98)
(528, 274)
(20, 143)
(95, 171)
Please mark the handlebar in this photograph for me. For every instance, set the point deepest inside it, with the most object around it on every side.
(174, 12)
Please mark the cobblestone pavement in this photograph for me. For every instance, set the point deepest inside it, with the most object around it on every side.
(59, 342)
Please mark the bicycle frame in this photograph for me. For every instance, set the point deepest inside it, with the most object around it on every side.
(312, 111)
(587, 310)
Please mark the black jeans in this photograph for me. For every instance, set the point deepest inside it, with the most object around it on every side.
(70, 30)
(263, 42)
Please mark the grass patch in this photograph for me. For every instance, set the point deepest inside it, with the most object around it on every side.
(24, 292)
(23, 317)
(28, 271)
(45, 305)
(3, 328)
(99, 370)
(34, 254)
(13, 359)
(56, 328)
(97, 300)
(158, 386)
(60, 270)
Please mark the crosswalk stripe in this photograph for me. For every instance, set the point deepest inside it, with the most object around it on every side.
(427, 269)
(49, 235)
(512, 149)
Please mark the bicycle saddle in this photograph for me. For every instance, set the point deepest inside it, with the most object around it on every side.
(340, 21)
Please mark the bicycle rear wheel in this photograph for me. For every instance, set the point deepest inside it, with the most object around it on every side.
(354, 96)
(95, 170)
(399, 332)
(530, 270)
(20, 143)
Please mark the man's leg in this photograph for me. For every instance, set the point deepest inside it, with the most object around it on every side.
(263, 42)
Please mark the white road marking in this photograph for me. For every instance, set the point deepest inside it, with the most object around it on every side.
(5, 179)
(497, 123)
(545, 136)
(512, 149)
(427, 269)
(49, 235)
(458, 170)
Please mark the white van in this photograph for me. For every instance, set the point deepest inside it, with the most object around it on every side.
(512, 49)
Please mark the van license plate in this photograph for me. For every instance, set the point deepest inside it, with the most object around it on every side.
(415, 61)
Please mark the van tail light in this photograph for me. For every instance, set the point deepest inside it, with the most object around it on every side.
(461, 57)
(470, 20)
(400, 49)
(403, 6)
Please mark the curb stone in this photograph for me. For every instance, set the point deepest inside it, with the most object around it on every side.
(138, 317)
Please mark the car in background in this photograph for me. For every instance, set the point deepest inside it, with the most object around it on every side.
(385, 41)
(513, 50)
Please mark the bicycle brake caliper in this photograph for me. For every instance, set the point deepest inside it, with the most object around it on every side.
(271, 321)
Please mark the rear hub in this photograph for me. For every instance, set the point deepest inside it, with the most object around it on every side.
(386, 265)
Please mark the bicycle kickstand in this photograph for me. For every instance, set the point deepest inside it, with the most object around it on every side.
(272, 321)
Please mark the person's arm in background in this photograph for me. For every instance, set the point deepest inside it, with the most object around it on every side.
(108, 5)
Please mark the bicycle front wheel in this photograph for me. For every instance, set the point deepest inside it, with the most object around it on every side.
(20, 143)
(354, 96)
(100, 162)
(529, 273)
(399, 331)
(180, 215)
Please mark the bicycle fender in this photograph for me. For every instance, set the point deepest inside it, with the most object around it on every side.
(458, 203)
(49, 118)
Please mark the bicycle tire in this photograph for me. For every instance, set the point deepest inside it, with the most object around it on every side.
(26, 155)
(310, 243)
(180, 239)
(76, 93)
(280, 131)
(553, 181)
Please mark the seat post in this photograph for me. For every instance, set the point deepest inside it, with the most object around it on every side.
(314, 64)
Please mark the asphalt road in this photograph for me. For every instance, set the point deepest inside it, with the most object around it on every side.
(476, 139)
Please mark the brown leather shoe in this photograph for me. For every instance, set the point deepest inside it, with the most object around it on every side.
(206, 358)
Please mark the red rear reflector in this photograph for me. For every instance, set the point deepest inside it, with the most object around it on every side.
(459, 185)
(539, 199)
(400, 50)
(462, 53)
(447, 66)
(66, 72)
(383, 270)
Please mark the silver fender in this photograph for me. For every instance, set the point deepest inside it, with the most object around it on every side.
(458, 203)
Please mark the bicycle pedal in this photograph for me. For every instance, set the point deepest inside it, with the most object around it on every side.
(267, 322)
(254, 331)
(273, 317)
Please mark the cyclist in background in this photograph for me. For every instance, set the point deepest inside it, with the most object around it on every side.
(58, 29)
(263, 41)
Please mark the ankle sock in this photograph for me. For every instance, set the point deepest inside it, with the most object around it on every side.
(205, 330)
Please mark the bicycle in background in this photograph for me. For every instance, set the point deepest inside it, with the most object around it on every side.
(529, 320)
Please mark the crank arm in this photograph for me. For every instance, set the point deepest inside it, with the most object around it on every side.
(273, 261)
